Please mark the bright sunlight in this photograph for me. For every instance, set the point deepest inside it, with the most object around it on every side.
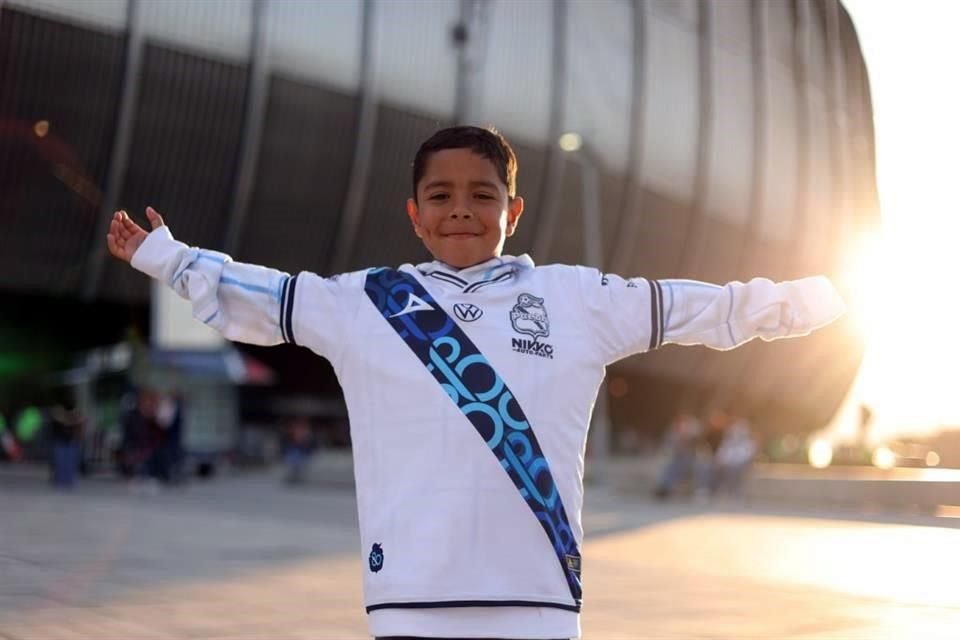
(905, 279)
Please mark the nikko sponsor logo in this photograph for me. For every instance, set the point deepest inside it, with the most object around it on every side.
(532, 347)
(529, 317)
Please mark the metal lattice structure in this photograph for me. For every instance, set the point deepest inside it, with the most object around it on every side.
(727, 139)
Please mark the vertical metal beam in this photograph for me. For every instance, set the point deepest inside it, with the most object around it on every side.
(258, 80)
(691, 246)
(120, 154)
(837, 114)
(363, 151)
(838, 370)
(592, 229)
(758, 174)
(631, 205)
(801, 63)
(793, 259)
(752, 360)
(549, 197)
(461, 39)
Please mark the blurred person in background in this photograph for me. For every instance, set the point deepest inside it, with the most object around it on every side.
(681, 442)
(66, 432)
(142, 439)
(443, 447)
(298, 446)
(734, 458)
(708, 476)
(8, 442)
(169, 455)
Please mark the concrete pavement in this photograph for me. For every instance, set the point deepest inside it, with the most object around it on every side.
(245, 557)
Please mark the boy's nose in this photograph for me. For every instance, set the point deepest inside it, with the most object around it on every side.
(461, 212)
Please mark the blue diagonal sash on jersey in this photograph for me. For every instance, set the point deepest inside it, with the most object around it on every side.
(479, 391)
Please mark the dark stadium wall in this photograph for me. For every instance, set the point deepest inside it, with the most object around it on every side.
(680, 195)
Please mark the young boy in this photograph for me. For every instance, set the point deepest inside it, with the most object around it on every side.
(469, 382)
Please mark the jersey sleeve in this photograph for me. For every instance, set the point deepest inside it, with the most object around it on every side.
(724, 317)
(246, 303)
(634, 315)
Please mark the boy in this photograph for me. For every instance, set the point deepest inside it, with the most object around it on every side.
(469, 382)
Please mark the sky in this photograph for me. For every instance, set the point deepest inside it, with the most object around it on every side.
(909, 302)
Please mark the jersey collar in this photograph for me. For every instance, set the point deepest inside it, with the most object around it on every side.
(493, 271)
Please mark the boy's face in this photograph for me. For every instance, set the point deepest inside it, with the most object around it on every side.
(462, 212)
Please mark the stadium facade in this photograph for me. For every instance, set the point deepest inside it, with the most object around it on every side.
(714, 140)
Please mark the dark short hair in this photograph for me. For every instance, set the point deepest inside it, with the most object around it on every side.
(488, 143)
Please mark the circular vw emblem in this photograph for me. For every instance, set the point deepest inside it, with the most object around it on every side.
(467, 312)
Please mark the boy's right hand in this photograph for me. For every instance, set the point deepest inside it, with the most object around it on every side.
(126, 236)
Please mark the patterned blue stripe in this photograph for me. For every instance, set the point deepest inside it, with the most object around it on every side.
(485, 400)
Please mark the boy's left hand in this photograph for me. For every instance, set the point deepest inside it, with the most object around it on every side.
(126, 236)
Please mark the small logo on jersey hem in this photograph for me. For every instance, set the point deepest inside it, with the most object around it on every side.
(529, 317)
(376, 557)
(467, 312)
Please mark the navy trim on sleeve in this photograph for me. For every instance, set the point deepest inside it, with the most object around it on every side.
(656, 315)
(286, 309)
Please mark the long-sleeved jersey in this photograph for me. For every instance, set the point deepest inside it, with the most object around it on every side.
(449, 546)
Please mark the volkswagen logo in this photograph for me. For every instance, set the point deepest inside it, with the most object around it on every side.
(467, 312)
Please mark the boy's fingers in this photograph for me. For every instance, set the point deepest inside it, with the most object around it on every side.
(154, 218)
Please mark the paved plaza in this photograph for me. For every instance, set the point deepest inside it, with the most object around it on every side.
(246, 557)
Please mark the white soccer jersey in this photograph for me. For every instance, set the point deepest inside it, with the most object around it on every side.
(449, 546)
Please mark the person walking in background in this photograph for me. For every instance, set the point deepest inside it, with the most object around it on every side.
(142, 436)
(734, 458)
(66, 431)
(170, 448)
(297, 448)
(469, 382)
(707, 475)
(680, 442)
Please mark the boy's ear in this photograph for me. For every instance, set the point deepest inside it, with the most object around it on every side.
(413, 212)
(514, 211)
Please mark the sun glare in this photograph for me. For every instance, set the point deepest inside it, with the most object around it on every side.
(902, 284)
(903, 300)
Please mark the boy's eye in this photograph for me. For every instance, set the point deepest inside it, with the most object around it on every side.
(437, 196)
(484, 196)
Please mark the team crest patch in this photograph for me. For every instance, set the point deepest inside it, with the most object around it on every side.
(529, 317)
(376, 557)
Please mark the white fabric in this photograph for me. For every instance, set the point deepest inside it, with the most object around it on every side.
(451, 525)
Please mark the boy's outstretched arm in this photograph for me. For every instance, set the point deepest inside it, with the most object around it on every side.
(725, 317)
(637, 314)
(243, 302)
